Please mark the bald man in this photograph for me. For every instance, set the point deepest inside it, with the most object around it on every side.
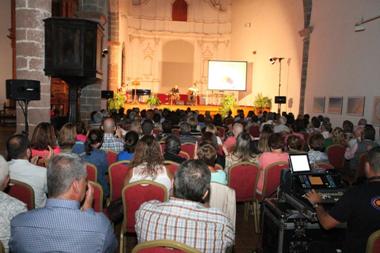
(110, 140)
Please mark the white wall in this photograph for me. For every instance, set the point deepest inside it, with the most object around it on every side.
(264, 29)
(5, 46)
(344, 62)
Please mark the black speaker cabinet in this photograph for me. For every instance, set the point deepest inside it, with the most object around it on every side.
(106, 94)
(73, 48)
(23, 89)
(280, 100)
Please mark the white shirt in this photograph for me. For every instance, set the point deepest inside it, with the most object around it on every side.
(161, 178)
(9, 208)
(281, 128)
(33, 175)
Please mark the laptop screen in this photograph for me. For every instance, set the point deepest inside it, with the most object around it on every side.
(299, 163)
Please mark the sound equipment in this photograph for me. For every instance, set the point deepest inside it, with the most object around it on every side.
(280, 99)
(106, 94)
(141, 92)
(19, 89)
(286, 230)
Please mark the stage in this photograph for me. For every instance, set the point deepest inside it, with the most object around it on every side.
(213, 109)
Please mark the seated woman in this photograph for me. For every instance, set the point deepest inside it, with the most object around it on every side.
(207, 153)
(316, 147)
(276, 154)
(130, 141)
(211, 139)
(241, 152)
(147, 164)
(97, 157)
(44, 137)
(295, 144)
(66, 137)
(172, 149)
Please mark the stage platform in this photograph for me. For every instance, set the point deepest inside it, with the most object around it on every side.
(213, 109)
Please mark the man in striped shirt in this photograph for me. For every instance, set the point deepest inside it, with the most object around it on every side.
(184, 218)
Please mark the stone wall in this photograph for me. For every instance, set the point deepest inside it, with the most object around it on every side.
(30, 50)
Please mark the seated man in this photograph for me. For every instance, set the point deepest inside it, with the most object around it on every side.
(185, 218)
(111, 141)
(62, 225)
(359, 207)
(21, 169)
(9, 206)
(172, 149)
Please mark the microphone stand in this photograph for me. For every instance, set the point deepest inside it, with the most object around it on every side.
(279, 84)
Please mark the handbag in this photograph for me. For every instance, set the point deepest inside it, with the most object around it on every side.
(115, 211)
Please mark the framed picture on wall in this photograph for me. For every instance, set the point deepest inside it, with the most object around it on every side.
(355, 106)
(319, 104)
(376, 111)
(335, 105)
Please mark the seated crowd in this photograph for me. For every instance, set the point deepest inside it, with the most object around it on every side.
(53, 163)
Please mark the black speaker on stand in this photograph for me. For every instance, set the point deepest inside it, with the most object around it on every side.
(23, 91)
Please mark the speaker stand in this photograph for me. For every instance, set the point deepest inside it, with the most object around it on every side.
(24, 107)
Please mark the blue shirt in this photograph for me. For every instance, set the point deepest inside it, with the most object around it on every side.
(78, 148)
(99, 159)
(124, 155)
(62, 227)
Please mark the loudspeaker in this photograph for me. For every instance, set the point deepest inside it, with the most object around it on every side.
(106, 94)
(23, 89)
(280, 99)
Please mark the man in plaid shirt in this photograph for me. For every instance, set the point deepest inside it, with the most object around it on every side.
(184, 218)
(110, 141)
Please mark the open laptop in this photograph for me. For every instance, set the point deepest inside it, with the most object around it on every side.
(299, 163)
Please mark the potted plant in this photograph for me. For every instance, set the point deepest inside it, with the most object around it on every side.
(117, 102)
(153, 101)
(262, 103)
(227, 104)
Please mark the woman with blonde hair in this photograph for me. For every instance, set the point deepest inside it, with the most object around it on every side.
(67, 137)
(148, 164)
(241, 152)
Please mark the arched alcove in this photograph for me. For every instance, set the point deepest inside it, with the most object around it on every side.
(177, 65)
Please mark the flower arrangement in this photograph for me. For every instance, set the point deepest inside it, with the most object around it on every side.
(262, 102)
(153, 101)
(227, 104)
(117, 102)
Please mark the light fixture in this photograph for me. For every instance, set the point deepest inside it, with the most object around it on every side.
(274, 59)
(359, 25)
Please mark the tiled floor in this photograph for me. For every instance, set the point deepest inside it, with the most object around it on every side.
(245, 241)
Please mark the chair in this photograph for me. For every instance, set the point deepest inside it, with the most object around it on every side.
(162, 146)
(243, 178)
(98, 196)
(271, 182)
(373, 242)
(22, 192)
(133, 195)
(171, 166)
(117, 172)
(335, 153)
(163, 246)
(189, 148)
(92, 172)
(254, 131)
(111, 156)
(324, 165)
(184, 155)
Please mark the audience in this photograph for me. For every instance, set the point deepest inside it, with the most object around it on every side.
(172, 149)
(147, 164)
(63, 225)
(9, 206)
(44, 137)
(130, 141)
(207, 153)
(295, 144)
(276, 154)
(230, 142)
(19, 153)
(112, 138)
(94, 155)
(67, 137)
(241, 152)
(316, 149)
(185, 218)
(186, 135)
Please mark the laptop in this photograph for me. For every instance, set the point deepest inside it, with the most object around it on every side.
(299, 163)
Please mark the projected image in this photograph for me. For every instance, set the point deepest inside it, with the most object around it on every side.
(227, 75)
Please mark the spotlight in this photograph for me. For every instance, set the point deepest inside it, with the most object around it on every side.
(104, 52)
(273, 60)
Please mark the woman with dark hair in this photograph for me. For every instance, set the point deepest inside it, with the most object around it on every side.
(241, 151)
(207, 153)
(97, 157)
(276, 154)
(130, 141)
(316, 149)
(147, 164)
(295, 144)
(44, 137)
